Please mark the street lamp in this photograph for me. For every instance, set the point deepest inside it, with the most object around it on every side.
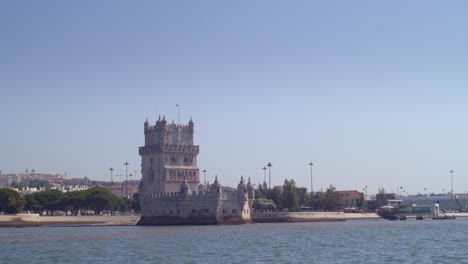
(130, 175)
(311, 181)
(111, 170)
(451, 176)
(120, 183)
(269, 165)
(126, 179)
(264, 175)
(204, 176)
(425, 193)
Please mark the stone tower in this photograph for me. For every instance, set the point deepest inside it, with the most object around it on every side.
(168, 157)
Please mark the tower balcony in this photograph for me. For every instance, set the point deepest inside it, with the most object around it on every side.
(169, 148)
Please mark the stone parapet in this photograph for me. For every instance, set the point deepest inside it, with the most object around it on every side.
(297, 216)
(20, 220)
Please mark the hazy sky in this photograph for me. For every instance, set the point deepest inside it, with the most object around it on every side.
(373, 92)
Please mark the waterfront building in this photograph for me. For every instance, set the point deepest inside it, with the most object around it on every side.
(170, 190)
(350, 199)
(447, 203)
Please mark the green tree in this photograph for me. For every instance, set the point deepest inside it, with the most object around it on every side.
(260, 192)
(330, 200)
(276, 196)
(10, 201)
(290, 199)
(32, 203)
(100, 199)
(304, 197)
(50, 200)
(74, 201)
(264, 204)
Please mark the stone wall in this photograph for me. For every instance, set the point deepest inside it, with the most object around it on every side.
(297, 216)
(20, 220)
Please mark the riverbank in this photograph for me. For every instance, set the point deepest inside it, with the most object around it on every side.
(310, 216)
(111, 220)
(29, 220)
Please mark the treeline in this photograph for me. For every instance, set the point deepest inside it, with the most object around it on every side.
(292, 198)
(97, 199)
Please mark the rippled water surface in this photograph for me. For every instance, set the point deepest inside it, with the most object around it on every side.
(411, 241)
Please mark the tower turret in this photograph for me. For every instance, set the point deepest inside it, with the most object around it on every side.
(242, 189)
(191, 126)
(250, 190)
(146, 125)
(216, 186)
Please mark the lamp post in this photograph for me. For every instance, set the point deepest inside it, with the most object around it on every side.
(311, 181)
(204, 176)
(366, 189)
(126, 179)
(264, 175)
(130, 175)
(425, 193)
(451, 176)
(111, 170)
(269, 165)
(120, 183)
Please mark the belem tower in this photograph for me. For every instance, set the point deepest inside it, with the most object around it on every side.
(171, 192)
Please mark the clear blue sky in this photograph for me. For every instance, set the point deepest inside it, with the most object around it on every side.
(373, 92)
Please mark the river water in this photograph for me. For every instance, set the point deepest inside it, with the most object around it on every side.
(411, 241)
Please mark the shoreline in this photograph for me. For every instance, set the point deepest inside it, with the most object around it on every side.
(34, 220)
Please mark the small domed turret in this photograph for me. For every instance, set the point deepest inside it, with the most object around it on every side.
(241, 184)
(216, 186)
(242, 189)
(216, 183)
(250, 190)
(201, 188)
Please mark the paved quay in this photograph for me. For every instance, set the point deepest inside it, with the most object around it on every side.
(89, 220)
(27, 220)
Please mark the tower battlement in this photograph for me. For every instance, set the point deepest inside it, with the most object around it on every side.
(164, 133)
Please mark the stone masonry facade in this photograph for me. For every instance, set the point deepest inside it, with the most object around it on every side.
(170, 191)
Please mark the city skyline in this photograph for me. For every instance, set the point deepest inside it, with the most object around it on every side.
(372, 93)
